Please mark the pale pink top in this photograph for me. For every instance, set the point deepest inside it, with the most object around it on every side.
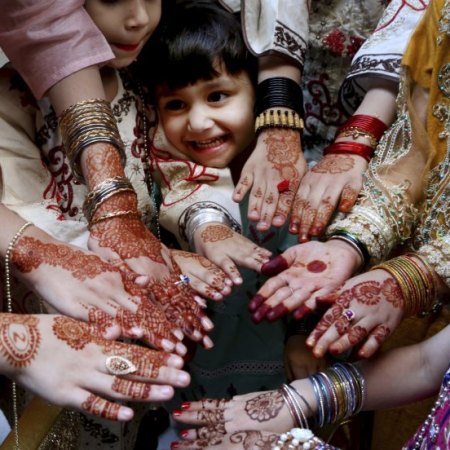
(37, 36)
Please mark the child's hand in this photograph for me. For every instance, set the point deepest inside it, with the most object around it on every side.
(273, 173)
(334, 183)
(299, 361)
(205, 277)
(228, 249)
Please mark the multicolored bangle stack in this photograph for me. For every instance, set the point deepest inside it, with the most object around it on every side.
(274, 93)
(359, 125)
(339, 391)
(102, 192)
(86, 123)
(416, 281)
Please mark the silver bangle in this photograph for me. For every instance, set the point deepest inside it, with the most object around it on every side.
(202, 217)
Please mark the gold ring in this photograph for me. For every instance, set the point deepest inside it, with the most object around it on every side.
(118, 365)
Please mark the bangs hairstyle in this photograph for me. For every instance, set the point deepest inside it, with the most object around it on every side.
(197, 38)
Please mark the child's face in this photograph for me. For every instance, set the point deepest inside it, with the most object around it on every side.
(210, 121)
(126, 25)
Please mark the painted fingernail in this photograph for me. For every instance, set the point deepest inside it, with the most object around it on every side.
(293, 228)
(260, 313)
(274, 266)
(177, 413)
(277, 312)
(316, 231)
(184, 434)
(256, 302)
(174, 445)
(303, 238)
(301, 312)
(185, 405)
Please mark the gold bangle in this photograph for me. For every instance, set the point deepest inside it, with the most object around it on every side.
(275, 118)
(114, 214)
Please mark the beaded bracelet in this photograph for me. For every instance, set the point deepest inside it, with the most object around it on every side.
(272, 118)
(86, 123)
(281, 92)
(351, 148)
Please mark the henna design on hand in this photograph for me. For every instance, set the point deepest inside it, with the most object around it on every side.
(254, 440)
(348, 198)
(380, 333)
(216, 233)
(212, 432)
(335, 164)
(74, 333)
(132, 389)
(211, 416)
(392, 292)
(265, 406)
(356, 334)
(101, 407)
(19, 338)
(29, 254)
(367, 292)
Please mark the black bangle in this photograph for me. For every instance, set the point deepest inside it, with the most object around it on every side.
(279, 92)
(352, 240)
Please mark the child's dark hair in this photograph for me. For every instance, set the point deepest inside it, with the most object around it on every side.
(196, 36)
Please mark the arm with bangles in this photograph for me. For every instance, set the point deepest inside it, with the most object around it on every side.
(397, 377)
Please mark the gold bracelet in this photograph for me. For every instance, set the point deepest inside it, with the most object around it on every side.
(111, 215)
(275, 118)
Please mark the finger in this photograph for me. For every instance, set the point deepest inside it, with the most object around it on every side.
(307, 218)
(323, 216)
(354, 335)
(275, 266)
(242, 187)
(284, 207)
(268, 208)
(294, 300)
(98, 406)
(206, 290)
(348, 198)
(374, 341)
(206, 417)
(255, 202)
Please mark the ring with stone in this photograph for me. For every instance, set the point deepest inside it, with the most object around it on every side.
(118, 365)
(348, 314)
(184, 279)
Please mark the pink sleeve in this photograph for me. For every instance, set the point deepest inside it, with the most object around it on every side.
(47, 40)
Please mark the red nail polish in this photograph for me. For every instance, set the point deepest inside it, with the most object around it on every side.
(256, 302)
(301, 312)
(274, 266)
(276, 312)
(185, 405)
(174, 445)
(177, 413)
(260, 313)
(184, 434)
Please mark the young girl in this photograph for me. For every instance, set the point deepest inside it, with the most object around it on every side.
(205, 96)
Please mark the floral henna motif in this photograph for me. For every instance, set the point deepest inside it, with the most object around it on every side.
(215, 431)
(216, 233)
(265, 406)
(254, 440)
(19, 338)
(342, 326)
(132, 389)
(74, 333)
(29, 254)
(100, 407)
(258, 193)
(334, 164)
(392, 292)
(269, 199)
(367, 292)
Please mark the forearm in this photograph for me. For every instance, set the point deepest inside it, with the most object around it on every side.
(277, 66)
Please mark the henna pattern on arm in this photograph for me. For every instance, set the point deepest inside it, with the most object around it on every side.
(216, 233)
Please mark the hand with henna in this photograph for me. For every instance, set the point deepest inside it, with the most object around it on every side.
(333, 184)
(30, 345)
(261, 411)
(272, 173)
(228, 249)
(205, 277)
(300, 275)
(365, 311)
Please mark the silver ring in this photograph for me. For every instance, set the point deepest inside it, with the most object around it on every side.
(118, 365)
(184, 279)
(349, 314)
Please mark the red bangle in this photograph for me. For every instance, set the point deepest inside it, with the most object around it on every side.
(367, 124)
(350, 148)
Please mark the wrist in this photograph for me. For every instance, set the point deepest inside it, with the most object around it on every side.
(354, 255)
